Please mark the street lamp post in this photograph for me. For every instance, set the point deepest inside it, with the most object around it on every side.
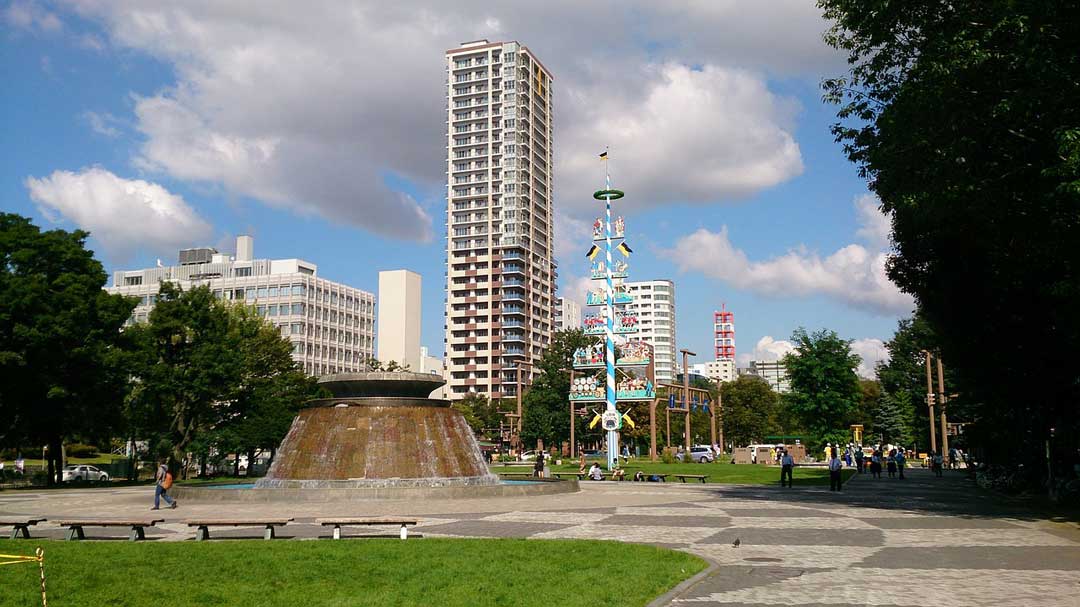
(520, 420)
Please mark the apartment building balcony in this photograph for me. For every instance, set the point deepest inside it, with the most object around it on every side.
(513, 309)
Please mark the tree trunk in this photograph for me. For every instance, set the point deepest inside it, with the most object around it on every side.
(251, 462)
(236, 465)
(56, 463)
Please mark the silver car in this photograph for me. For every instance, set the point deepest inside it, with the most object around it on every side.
(702, 455)
(83, 472)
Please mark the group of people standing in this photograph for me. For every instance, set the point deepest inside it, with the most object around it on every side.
(893, 461)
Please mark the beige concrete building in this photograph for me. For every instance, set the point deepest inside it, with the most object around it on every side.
(331, 325)
(719, 371)
(399, 318)
(500, 274)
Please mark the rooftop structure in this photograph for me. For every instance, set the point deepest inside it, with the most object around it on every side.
(331, 325)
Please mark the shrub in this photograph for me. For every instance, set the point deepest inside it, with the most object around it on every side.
(81, 450)
(668, 456)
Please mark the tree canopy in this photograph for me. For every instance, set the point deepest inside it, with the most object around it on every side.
(546, 404)
(962, 116)
(824, 386)
(61, 372)
(749, 405)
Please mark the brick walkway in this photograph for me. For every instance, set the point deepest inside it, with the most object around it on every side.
(923, 541)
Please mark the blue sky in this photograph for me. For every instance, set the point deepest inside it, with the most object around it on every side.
(318, 129)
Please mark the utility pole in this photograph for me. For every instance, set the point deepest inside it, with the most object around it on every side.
(686, 354)
(718, 414)
(942, 399)
(930, 401)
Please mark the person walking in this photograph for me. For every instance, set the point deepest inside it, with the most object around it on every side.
(835, 468)
(859, 459)
(163, 481)
(891, 463)
(901, 461)
(937, 463)
(787, 465)
(875, 464)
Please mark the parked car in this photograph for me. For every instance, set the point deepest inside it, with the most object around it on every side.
(84, 472)
(529, 456)
(702, 455)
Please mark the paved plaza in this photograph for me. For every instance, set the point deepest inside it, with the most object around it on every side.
(922, 541)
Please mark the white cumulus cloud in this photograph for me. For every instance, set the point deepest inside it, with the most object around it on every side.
(310, 106)
(871, 351)
(854, 274)
(123, 215)
(696, 135)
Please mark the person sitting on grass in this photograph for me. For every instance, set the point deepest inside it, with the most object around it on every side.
(595, 473)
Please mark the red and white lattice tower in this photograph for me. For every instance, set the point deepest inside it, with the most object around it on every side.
(724, 333)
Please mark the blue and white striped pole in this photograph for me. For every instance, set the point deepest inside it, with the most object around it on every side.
(609, 336)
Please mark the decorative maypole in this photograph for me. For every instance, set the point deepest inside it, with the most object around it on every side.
(621, 381)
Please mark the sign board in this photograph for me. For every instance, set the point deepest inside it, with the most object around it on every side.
(611, 420)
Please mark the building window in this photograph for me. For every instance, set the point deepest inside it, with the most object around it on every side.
(243, 272)
(132, 280)
(298, 289)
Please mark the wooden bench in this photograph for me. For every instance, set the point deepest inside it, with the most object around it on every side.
(75, 527)
(516, 474)
(700, 477)
(20, 526)
(338, 523)
(203, 525)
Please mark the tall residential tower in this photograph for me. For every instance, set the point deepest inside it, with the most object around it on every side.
(500, 270)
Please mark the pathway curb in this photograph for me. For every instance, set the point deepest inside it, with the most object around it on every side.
(685, 585)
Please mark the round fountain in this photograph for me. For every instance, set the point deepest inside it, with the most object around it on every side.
(378, 436)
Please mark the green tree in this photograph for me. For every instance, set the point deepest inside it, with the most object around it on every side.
(824, 386)
(749, 406)
(892, 419)
(190, 362)
(61, 348)
(962, 116)
(483, 414)
(259, 407)
(546, 404)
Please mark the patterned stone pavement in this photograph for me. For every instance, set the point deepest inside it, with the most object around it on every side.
(922, 541)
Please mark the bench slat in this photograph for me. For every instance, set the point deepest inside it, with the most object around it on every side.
(109, 523)
(5, 522)
(367, 521)
(236, 522)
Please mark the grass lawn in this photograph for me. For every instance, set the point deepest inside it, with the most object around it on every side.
(734, 474)
(427, 571)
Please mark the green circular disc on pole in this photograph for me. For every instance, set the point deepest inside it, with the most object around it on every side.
(608, 194)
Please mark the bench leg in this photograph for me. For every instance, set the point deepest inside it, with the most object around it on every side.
(404, 532)
(269, 533)
(22, 530)
(337, 532)
(137, 533)
(75, 532)
(202, 533)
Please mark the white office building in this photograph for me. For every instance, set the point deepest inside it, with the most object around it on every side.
(719, 371)
(500, 270)
(772, 371)
(331, 325)
(567, 314)
(654, 307)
